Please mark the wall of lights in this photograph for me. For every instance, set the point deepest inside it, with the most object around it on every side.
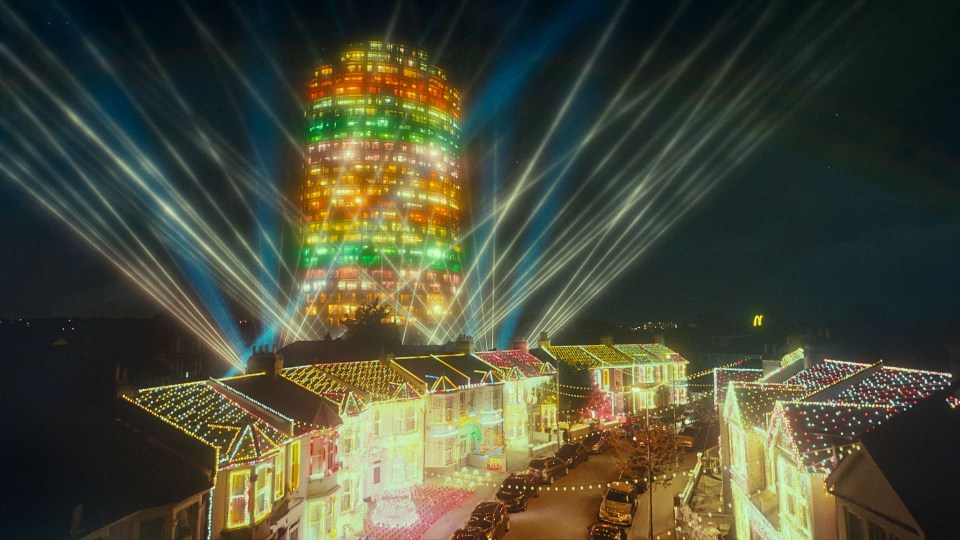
(381, 193)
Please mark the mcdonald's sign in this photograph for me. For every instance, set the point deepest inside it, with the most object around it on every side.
(757, 320)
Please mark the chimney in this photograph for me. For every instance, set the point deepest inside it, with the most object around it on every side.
(387, 359)
(265, 359)
(519, 344)
(544, 341)
(606, 340)
(464, 345)
(121, 382)
(661, 339)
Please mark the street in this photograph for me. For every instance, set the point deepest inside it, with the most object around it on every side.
(566, 514)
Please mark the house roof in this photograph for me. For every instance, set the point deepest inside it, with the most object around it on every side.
(604, 356)
(819, 430)
(349, 400)
(527, 364)
(825, 374)
(309, 410)
(757, 400)
(448, 372)
(916, 451)
(376, 378)
(142, 472)
(205, 412)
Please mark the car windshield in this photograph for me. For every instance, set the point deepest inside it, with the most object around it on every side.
(566, 450)
(509, 489)
(618, 496)
(536, 464)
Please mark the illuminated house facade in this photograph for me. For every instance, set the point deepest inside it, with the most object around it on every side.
(264, 479)
(529, 387)
(463, 397)
(382, 188)
(629, 378)
(381, 440)
(783, 434)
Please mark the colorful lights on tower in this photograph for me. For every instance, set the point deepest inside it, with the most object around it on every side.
(382, 189)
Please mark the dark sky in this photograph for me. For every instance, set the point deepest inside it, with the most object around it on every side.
(847, 207)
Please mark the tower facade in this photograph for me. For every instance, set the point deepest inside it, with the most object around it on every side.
(382, 189)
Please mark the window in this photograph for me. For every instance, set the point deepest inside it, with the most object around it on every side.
(348, 440)
(318, 457)
(407, 422)
(328, 515)
(295, 465)
(278, 474)
(238, 507)
(346, 496)
(448, 409)
(497, 397)
(264, 483)
(375, 429)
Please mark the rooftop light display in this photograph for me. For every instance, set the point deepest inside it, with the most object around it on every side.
(528, 364)
(379, 381)
(895, 387)
(203, 412)
(825, 374)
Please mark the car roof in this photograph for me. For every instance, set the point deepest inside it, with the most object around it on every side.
(621, 486)
(487, 507)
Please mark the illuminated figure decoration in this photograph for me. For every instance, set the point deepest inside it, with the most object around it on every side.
(781, 436)
(381, 193)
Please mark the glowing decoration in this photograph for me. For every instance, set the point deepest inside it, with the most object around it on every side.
(381, 195)
(295, 465)
(395, 509)
(796, 432)
(757, 321)
(238, 510)
(202, 411)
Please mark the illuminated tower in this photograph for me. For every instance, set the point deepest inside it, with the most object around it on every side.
(381, 193)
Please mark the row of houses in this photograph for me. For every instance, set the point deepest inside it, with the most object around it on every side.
(821, 448)
(291, 452)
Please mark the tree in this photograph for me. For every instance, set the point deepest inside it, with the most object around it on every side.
(648, 451)
(371, 328)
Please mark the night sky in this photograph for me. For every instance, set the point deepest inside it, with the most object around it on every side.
(847, 209)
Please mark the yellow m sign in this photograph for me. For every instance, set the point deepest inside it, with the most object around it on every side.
(758, 320)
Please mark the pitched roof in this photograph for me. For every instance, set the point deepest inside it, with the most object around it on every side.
(376, 378)
(610, 356)
(825, 374)
(309, 410)
(820, 429)
(448, 372)
(917, 450)
(527, 364)
(756, 401)
(143, 472)
(318, 381)
(205, 412)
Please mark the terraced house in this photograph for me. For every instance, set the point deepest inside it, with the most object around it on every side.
(784, 433)
(619, 379)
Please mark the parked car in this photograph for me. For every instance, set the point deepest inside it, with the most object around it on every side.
(605, 531)
(468, 533)
(547, 469)
(596, 443)
(688, 436)
(619, 504)
(517, 489)
(492, 518)
(572, 453)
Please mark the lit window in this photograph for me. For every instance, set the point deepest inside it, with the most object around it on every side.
(295, 465)
(238, 510)
(278, 474)
(262, 501)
